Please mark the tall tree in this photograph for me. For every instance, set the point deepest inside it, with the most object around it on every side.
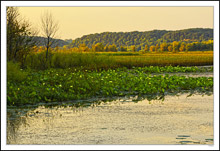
(49, 30)
(12, 30)
(20, 36)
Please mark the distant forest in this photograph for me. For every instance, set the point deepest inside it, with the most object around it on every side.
(140, 39)
(194, 39)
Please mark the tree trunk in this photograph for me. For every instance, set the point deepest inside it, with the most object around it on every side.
(48, 42)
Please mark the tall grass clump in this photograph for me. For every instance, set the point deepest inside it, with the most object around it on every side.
(14, 73)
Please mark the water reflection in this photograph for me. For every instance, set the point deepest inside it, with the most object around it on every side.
(15, 119)
(176, 120)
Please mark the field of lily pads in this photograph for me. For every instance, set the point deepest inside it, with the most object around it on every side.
(60, 85)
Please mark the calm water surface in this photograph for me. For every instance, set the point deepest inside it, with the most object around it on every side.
(176, 120)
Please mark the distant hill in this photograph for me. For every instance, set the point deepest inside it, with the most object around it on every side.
(140, 39)
(57, 42)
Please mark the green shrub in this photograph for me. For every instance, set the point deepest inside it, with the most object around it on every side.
(14, 73)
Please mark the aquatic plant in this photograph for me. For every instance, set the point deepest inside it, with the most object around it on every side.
(59, 85)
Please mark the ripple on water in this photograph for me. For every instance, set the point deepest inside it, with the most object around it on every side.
(176, 120)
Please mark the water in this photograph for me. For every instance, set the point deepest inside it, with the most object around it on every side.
(195, 75)
(176, 120)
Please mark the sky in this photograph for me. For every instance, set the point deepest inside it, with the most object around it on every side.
(74, 22)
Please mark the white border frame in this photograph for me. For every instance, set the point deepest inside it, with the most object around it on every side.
(214, 4)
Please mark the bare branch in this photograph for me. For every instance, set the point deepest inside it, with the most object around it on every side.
(49, 29)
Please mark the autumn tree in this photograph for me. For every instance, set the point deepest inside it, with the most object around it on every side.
(152, 48)
(175, 46)
(182, 47)
(146, 48)
(163, 47)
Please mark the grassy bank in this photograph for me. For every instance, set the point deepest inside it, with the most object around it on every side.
(58, 85)
(94, 61)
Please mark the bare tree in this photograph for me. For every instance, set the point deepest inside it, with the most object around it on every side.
(49, 29)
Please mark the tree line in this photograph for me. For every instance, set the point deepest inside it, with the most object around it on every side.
(140, 39)
(175, 46)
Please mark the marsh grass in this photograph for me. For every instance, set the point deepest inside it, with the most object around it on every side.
(166, 59)
(90, 61)
(112, 60)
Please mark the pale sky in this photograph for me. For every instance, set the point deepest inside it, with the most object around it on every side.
(75, 22)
